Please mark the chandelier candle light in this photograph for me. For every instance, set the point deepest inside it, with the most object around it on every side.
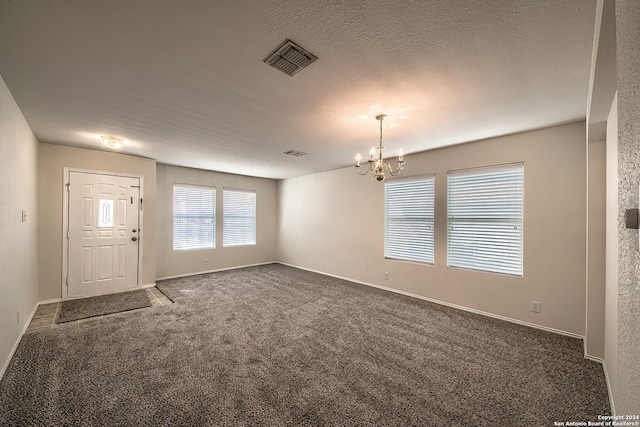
(379, 166)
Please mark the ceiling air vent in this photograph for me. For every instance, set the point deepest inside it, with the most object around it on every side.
(294, 153)
(289, 58)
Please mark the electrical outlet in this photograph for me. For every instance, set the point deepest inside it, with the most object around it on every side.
(206, 261)
(536, 306)
(386, 275)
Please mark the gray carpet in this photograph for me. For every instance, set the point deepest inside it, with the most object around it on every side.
(104, 304)
(274, 345)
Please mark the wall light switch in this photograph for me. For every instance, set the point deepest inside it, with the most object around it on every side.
(24, 216)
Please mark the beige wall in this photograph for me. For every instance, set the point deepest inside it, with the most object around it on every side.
(594, 334)
(18, 239)
(52, 161)
(172, 263)
(333, 222)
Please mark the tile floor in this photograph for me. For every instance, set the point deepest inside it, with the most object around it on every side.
(45, 316)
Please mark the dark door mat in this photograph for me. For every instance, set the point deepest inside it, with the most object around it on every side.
(104, 304)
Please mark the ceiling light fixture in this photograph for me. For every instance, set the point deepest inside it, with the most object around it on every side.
(380, 166)
(112, 142)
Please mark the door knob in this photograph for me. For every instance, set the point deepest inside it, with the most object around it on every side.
(134, 238)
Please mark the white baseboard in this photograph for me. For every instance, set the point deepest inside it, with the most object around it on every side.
(148, 285)
(15, 346)
(594, 358)
(606, 378)
(50, 301)
(214, 271)
(448, 304)
(609, 390)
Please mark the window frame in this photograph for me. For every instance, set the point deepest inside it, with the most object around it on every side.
(407, 226)
(252, 240)
(193, 214)
(480, 253)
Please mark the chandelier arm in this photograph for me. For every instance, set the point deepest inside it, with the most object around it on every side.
(397, 171)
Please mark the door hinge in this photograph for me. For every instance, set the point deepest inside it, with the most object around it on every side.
(67, 281)
(67, 234)
(141, 204)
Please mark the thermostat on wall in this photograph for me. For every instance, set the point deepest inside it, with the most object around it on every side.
(632, 219)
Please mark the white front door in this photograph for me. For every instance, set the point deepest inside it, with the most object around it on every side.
(103, 233)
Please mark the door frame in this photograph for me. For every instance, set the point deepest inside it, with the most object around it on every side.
(65, 222)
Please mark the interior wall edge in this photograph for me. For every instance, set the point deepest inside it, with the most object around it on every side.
(611, 254)
(596, 249)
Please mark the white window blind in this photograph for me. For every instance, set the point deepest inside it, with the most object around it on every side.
(239, 218)
(194, 217)
(485, 210)
(408, 219)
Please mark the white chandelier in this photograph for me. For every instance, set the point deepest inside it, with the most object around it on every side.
(380, 166)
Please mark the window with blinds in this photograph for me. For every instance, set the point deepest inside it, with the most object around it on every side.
(239, 218)
(408, 219)
(194, 217)
(484, 225)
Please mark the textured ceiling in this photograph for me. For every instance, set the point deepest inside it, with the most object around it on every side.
(183, 82)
